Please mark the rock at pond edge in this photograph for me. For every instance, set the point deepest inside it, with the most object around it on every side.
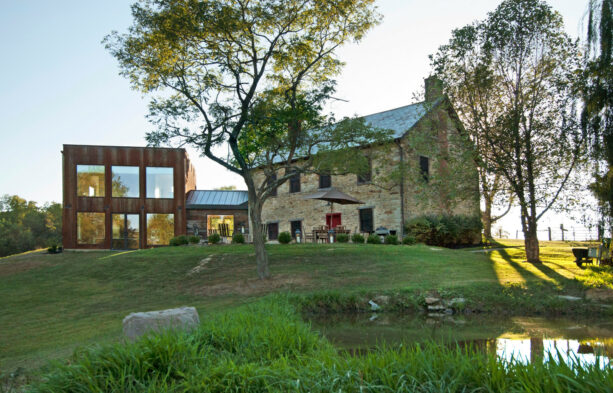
(139, 323)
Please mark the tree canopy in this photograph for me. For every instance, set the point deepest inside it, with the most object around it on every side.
(25, 226)
(597, 116)
(514, 79)
(249, 75)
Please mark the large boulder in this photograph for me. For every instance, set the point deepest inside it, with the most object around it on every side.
(139, 323)
(600, 294)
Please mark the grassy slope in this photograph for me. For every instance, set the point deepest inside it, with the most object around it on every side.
(51, 303)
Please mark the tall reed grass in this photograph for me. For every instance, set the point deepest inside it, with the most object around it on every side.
(266, 347)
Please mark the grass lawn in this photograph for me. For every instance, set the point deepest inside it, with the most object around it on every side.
(52, 303)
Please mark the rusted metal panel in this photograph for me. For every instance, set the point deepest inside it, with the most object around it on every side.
(142, 157)
(126, 205)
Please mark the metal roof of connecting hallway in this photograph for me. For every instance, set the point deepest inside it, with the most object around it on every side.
(217, 199)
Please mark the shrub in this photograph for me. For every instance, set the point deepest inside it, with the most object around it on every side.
(214, 238)
(284, 238)
(391, 239)
(342, 238)
(445, 230)
(373, 239)
(178, 240)
(409, 240)
(194, 239)
(54, 249)
(357, 238)
(238, 238)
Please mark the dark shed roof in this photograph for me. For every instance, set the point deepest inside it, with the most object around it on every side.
(216, 199)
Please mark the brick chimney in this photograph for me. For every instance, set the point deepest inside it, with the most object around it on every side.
(434, 88)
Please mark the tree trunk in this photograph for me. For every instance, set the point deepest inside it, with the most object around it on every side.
(486, 217)
(255, 213)
(531, 241)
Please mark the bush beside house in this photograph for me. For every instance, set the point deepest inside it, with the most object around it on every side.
(445, 230)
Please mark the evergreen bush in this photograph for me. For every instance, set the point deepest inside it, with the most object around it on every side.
(409, 240)
(238, 238)
(342, 238)
(284, 237)
(194, 239)
(178, 240)
(445, 230)
(391, 239)
(373, 239)
(214, 238)
(357, 238)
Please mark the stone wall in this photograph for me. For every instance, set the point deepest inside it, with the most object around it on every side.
(437, 134)
(456, 193)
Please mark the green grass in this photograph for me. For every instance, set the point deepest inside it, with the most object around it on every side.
(265, 347)
(52, 304)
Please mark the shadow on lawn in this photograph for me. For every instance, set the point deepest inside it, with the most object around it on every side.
(529, 276)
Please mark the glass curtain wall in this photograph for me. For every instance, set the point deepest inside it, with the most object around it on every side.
(160, 229)
(90, 229)
(125, 231)
(125, 181)
(90, 180)
(160, 182)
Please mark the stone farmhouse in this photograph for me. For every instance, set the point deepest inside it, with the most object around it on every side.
(426, 136)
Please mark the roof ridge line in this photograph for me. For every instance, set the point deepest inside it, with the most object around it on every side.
(393, 109)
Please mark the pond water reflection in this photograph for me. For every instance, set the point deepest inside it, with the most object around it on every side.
(521, 338)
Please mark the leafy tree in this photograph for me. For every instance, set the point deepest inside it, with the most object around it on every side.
(474, 96)
(597, 116)
(520, 74)
(227, 69)
(226, 188)
(24, 226)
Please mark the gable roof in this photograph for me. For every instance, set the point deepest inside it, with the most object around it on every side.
(217, 199)
(400, 120)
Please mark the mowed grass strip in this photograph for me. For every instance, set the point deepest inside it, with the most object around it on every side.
(52, 303)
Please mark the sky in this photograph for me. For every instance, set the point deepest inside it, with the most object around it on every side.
(59, 85)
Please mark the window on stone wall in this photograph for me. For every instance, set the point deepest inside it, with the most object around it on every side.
(366, 177)
(325, 181)
(294, 183)
(271, 179)
(295, 226)
(424, 167)
(273, 231)
(366, 220)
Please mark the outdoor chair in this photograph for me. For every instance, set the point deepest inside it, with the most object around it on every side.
(321, 235)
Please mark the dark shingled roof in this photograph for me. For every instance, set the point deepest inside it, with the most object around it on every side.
(217, 199)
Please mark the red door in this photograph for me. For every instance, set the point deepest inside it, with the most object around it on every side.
(333, 220)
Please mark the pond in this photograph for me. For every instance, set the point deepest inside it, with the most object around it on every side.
(522, 338)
